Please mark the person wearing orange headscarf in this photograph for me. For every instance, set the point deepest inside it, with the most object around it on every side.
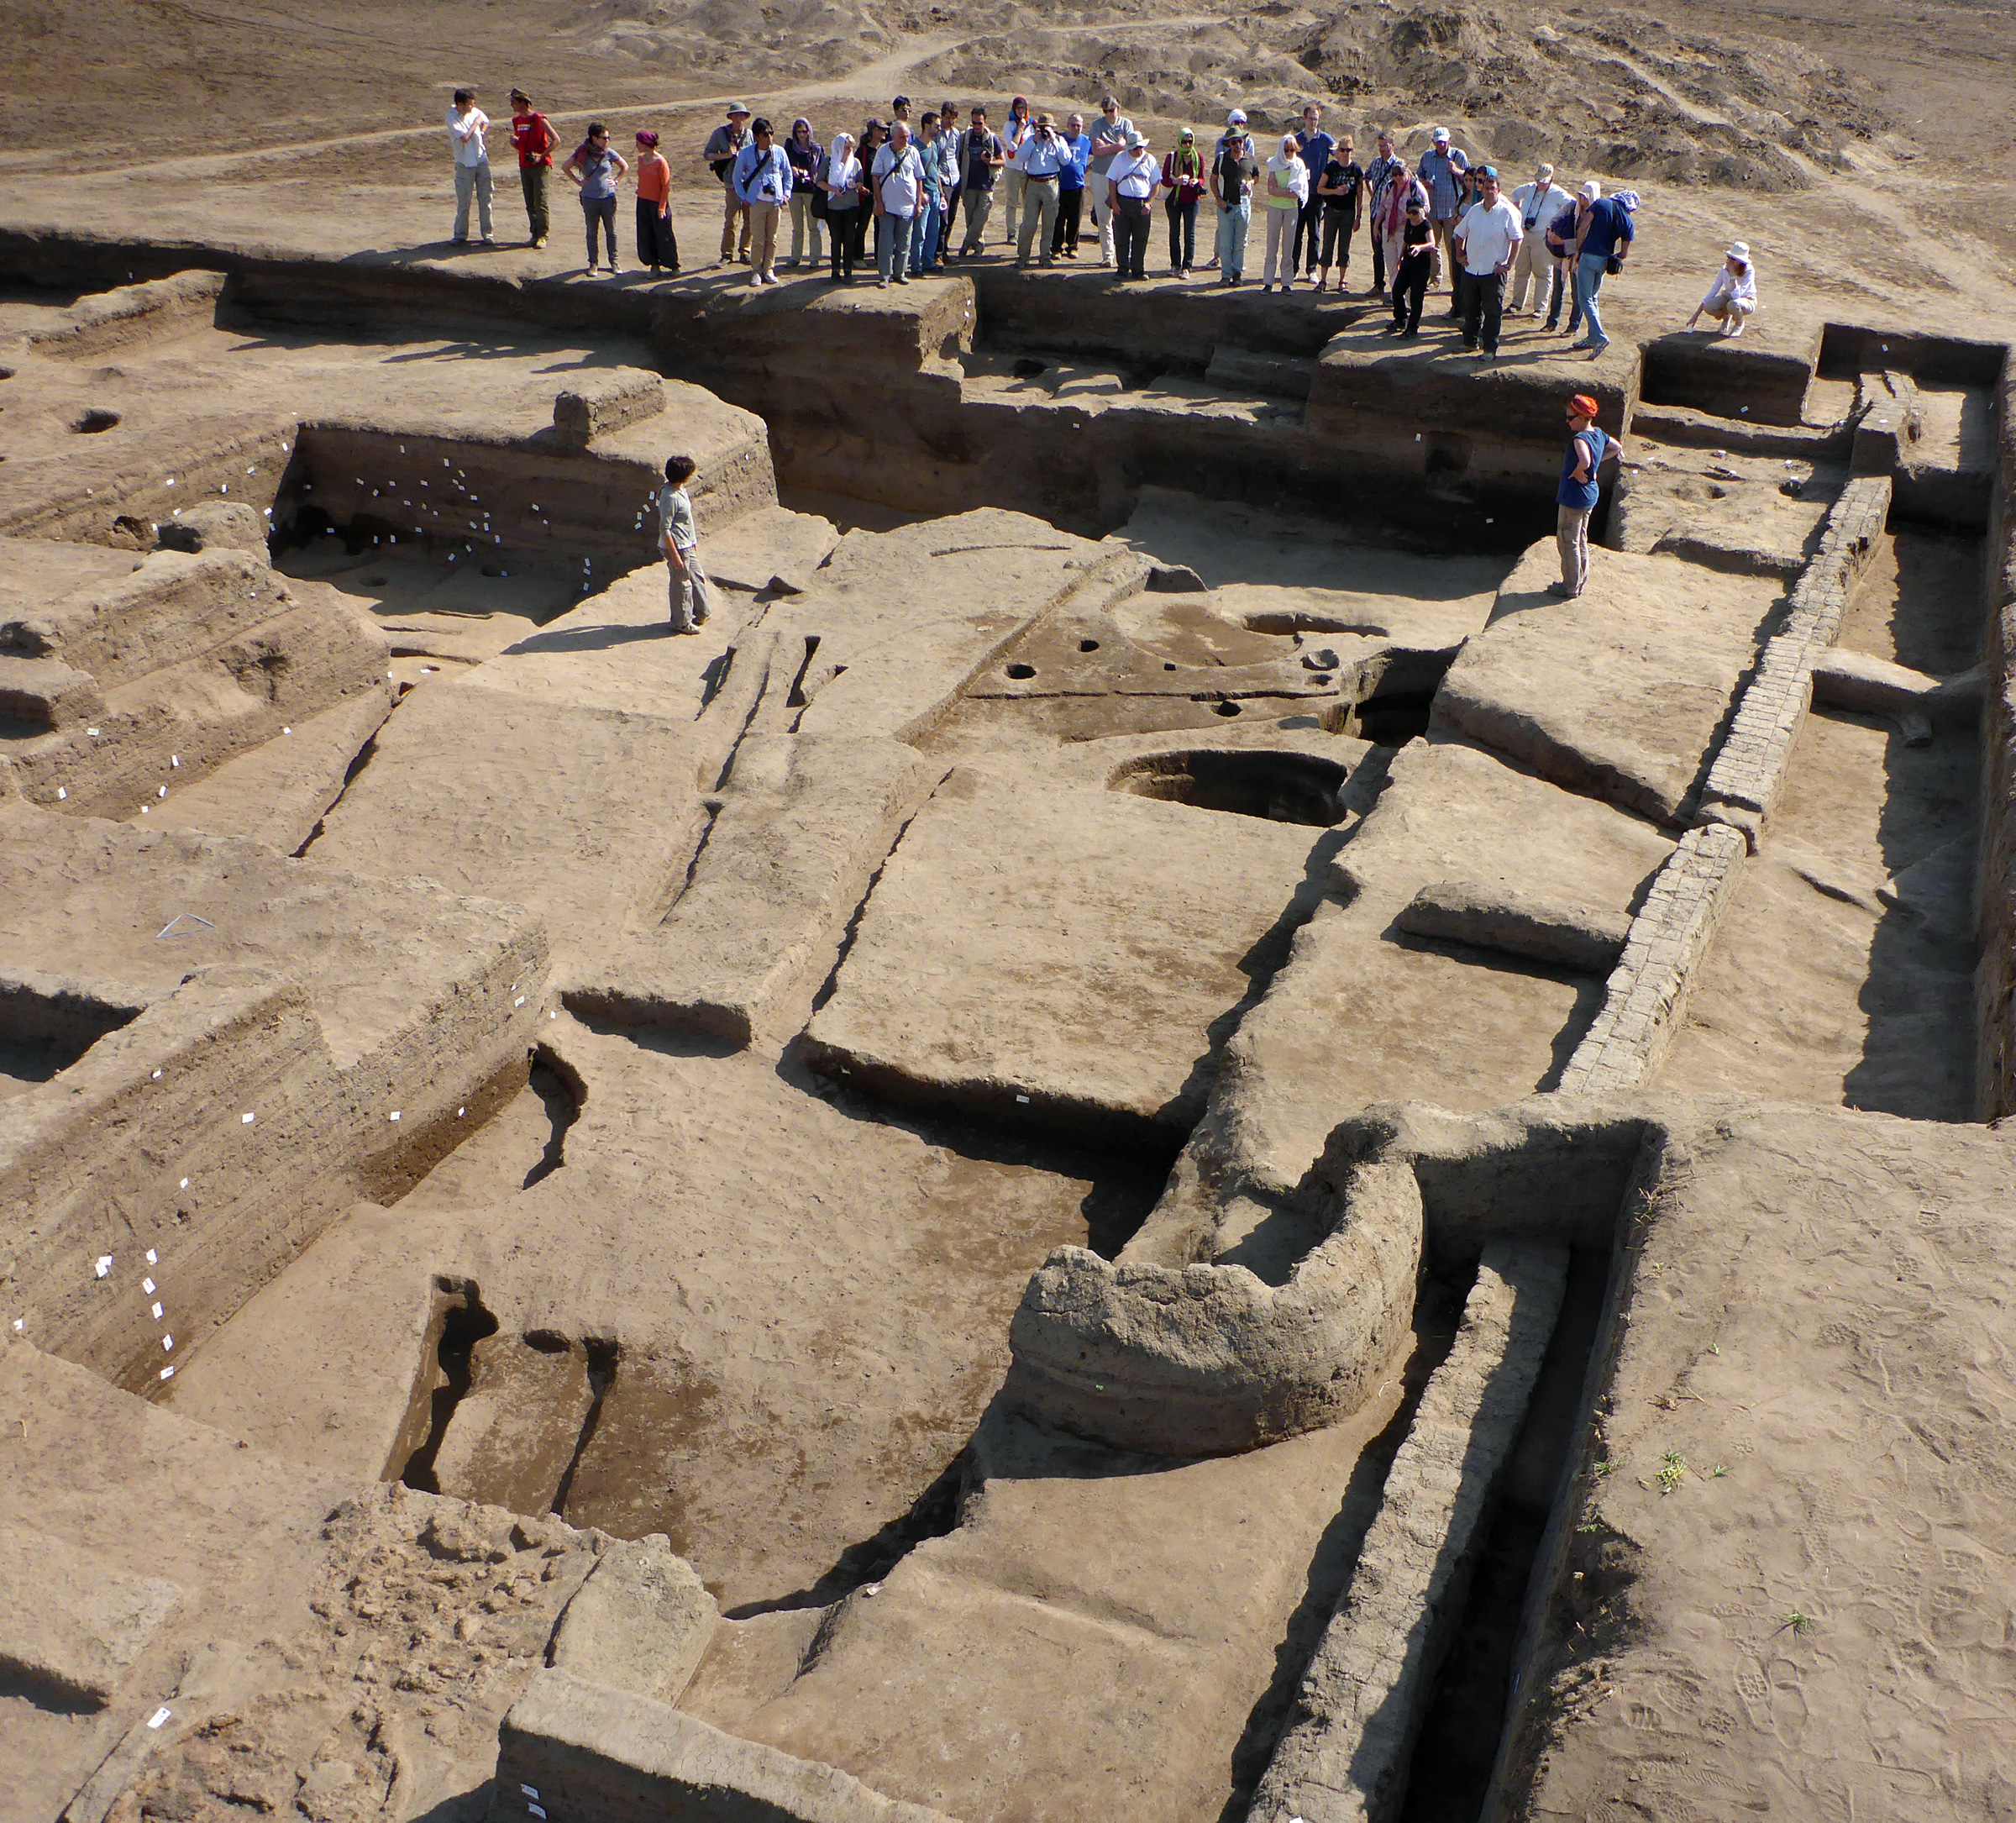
(1589, 447)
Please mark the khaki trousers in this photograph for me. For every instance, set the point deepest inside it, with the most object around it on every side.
(762, 240)
(1039, 220)
(733, 210)
(1572, 537)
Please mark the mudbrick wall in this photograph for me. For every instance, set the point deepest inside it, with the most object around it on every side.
(1995, 978)
(1647, 990)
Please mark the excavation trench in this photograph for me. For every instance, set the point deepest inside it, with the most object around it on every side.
(817, 1245)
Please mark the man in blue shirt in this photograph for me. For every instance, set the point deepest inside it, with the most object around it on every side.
(762, 181)
(1604, 235)
(1580, 484)
(1071, 188)
(1316, 146)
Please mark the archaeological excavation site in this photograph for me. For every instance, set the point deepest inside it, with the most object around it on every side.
(1149, 1140)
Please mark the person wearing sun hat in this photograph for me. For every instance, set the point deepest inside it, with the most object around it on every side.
(1131, 181)
(535, 142)
(1732, 299)
(1234, 169)
(1581, 470)
(725, 144)
(1538, 202)
(1041, 159)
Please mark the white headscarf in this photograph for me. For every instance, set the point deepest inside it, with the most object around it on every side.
(1290, 171)
(839, 156)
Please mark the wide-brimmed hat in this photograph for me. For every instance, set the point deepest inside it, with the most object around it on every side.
(1739, 249)
(735, 109)
(1044, 120)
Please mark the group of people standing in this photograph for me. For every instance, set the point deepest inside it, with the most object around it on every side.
(917, 175)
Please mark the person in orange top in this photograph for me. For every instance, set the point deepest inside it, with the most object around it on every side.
(656, 245)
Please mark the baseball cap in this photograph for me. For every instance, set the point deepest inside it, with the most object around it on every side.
(1544, 173)
(1441, 135)
(519, 95)
(1487, 170)
(1135, 141)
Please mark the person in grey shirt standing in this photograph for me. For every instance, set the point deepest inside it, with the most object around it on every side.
(725, 144)
(467, 125)
(982, 156)
(680, 543)
(1109, 140)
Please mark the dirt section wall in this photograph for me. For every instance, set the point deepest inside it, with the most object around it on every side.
(870, 401)
(1995, 910)
(472, 496)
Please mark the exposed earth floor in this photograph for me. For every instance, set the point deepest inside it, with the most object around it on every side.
(1148, 1136)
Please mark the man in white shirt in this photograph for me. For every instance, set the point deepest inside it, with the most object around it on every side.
(1131, 179)
(1040, 158)
(897, 180)
(1487, 241)
(1538, 203)
(467, 123)
(1109, 140)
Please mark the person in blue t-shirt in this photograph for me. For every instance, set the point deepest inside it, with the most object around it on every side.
(1603, 242)
(1317, 148)
(1071, 189)
(1589, 447)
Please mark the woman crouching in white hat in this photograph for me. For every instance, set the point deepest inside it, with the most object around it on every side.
(1732, 299)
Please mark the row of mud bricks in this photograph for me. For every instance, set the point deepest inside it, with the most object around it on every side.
(1672, 930)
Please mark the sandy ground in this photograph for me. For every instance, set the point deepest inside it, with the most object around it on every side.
(1903, 217)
